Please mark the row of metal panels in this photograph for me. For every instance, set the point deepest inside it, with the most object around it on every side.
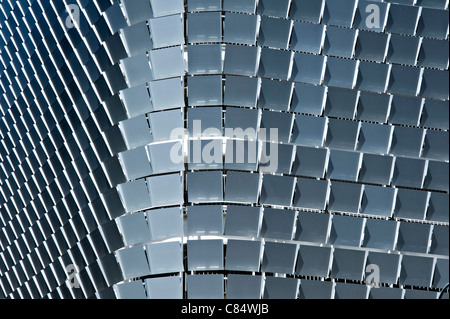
(281, 258)
(279, 96)
(214, 286)
(287, 191)
(231, 154)
(286, 34)
(374, 235)
(166, 259)
(241, 221)
(295, 9)
(256, 287)
(282, 65)
(253, 222)
(424, 18)
(330, 131)
(267, 94)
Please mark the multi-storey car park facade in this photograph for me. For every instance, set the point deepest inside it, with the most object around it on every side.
(92, 204)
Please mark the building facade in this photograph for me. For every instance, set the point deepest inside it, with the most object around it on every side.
(224, 149)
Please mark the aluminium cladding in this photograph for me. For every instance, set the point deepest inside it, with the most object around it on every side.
(92, 204)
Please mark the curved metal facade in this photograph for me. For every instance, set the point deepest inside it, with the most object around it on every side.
(137, 158)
